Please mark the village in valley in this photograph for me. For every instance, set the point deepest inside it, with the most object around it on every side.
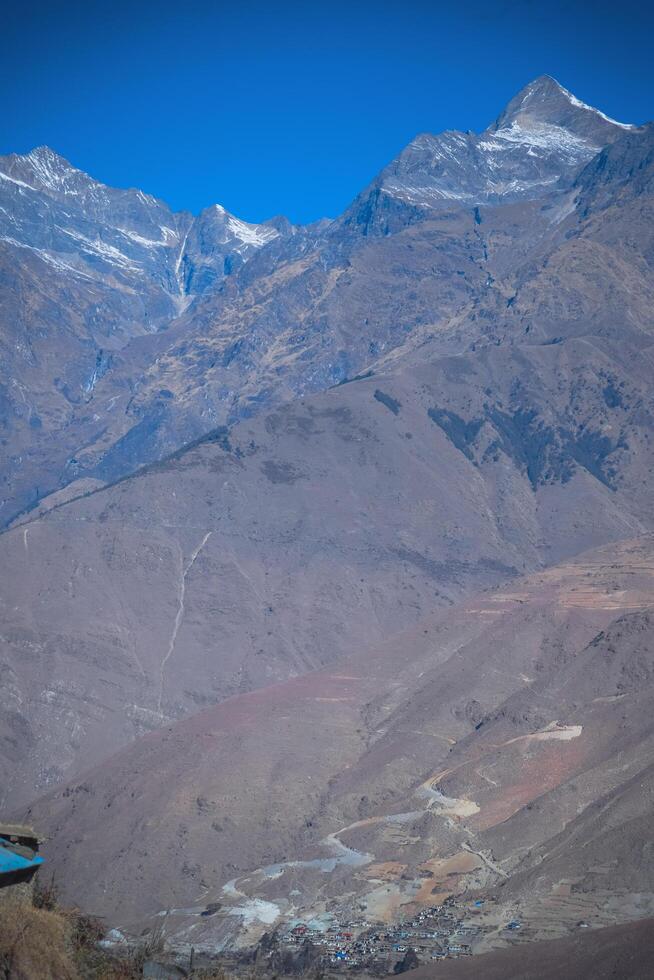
(437, 932)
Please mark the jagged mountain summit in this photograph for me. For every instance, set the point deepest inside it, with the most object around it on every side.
(86, 271)
(537, 144)
(129, 330)
(544, 102)
(81, 227)
(542, 136)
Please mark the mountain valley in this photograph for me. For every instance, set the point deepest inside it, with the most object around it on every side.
(329, 549)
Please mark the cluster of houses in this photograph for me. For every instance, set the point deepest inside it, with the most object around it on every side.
(437, 932)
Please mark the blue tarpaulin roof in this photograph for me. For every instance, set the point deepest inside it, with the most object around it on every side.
(11, 862)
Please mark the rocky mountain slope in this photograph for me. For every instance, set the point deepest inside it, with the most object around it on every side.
(298, 572)
(536, 145)
(306, 534)
(129, 330)
(88, 270)
(623, 951)
(504, 745)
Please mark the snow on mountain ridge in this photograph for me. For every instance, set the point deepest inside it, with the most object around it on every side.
(536, 89)
(583, 105)
(543, 135)
(65, 216)
(249, 234)
(53, 171)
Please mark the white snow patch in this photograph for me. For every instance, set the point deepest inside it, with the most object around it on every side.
(250, 235)
(107, 252)
(583, 105)
(140, 240)
(146, 198)
(169, 233)
(55, 174)
(573, 100)
(421, 193)
(546, 136)
(14, 180)
(50, 259)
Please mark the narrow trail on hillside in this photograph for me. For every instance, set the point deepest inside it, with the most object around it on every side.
(179, 615)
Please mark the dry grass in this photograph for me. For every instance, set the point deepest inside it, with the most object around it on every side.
(34, 944)
(41, 941)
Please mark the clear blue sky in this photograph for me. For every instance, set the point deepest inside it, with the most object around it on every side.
(292, 108)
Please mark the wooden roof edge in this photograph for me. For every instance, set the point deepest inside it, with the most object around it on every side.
(19, 830)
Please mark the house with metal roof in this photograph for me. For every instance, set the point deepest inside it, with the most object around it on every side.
(19, 860)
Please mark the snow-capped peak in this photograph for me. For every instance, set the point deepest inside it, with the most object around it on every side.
(582, 105)
(546, 100)
(51, 170)
(542, 138)
(228, 229)
(546, 85)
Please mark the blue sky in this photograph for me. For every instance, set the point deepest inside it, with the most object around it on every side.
(292, 108)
